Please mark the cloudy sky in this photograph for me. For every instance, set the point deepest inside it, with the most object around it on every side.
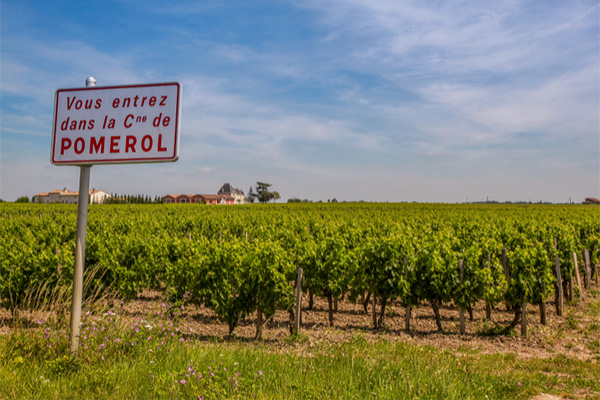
(372, 100)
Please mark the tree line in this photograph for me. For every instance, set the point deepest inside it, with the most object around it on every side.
(132, 199)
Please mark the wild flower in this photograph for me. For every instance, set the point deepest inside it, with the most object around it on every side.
(183, 381)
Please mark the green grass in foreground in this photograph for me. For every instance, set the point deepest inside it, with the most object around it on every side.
(152, 358)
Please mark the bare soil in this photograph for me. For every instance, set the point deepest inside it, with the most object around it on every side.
(575, 334)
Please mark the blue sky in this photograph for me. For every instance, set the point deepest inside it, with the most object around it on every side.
(354, 100)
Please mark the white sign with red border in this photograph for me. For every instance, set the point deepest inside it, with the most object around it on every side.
(117, 124)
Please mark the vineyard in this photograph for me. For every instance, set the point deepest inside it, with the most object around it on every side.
(242, 260)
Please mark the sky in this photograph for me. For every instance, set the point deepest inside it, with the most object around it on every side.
(374, 100)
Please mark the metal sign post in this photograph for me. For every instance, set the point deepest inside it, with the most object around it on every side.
(82, 212)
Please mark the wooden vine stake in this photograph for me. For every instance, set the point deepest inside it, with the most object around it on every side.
(463, 327)
(259, 324)
(588, 272)
(543, 320)
(559, 290)
(577, 272)
(298, 301)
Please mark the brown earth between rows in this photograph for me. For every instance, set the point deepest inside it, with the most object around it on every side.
(576, 334)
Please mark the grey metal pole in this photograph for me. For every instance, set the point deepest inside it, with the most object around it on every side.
(82, 212)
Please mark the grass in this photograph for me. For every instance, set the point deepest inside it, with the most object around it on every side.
(151, 357)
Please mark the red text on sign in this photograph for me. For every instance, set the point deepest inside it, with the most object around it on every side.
(97, 145)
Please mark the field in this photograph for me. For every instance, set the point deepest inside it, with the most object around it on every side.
(174, 290)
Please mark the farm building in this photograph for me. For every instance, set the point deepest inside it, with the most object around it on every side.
(226, 195)
(591, 200)
(65, 196)
(237, 194)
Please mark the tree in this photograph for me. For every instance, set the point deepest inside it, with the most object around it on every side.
(276, 196)
(22, 199)
(262, 190)
(263, 194)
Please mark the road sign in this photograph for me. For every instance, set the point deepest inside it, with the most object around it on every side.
(116, 124)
